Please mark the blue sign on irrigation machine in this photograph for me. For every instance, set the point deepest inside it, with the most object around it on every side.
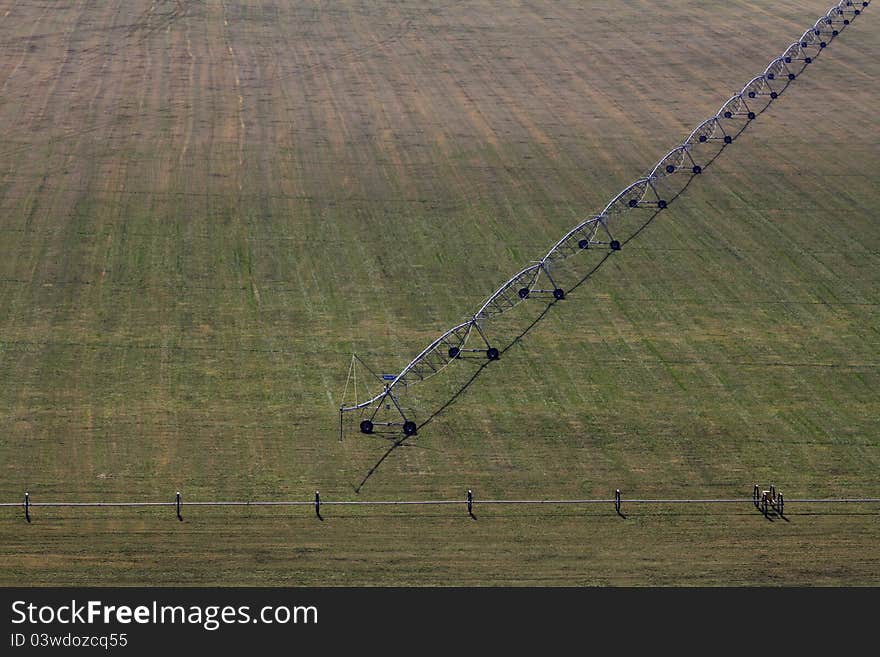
(389, 377)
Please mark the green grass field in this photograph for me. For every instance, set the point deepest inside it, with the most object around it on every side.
(207, 206)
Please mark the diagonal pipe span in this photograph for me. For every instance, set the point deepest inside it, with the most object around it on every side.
(666, 180)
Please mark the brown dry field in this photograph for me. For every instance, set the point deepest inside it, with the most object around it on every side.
(206, 206)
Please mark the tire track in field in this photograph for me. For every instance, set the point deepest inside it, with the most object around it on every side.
(188, 130)
(153, 20)
(56, 80)
(352, 54)
(308, 292)
(444, 139)
(61, 255)
(146, 27)
(25, 52)
(227, 40)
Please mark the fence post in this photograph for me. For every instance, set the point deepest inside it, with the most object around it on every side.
(177, 501)
(617, 501)
(780, 505)
(470, 502)
(318, 505)
(27, 506)
(756, 495)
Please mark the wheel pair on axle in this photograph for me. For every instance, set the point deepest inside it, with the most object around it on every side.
(409, 427)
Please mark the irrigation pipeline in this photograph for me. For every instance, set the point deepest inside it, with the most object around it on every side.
(607, 230)
(469, 501)
(733, 500)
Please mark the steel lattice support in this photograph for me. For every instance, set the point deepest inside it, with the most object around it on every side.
(605, 230)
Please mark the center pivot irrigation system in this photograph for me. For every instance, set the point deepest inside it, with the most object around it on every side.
(543, 283)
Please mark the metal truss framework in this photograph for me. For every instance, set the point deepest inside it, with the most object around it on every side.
(655, 192)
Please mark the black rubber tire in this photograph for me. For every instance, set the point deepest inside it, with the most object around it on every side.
(662, 204)
(633, 203)
(410, 428)
(584, 244)
(808, 60)
(454, 352)
(774, 95)
(771, 76)
(791, 76)
(822, 44)
(752, 94)
(702, 139)
(366, 426)
(492, 353)
(559, 294)
(523, 293)
(728, 139)
(615, 245)
(751, 116)
(728, 114)
(697, 169)
(670, 168)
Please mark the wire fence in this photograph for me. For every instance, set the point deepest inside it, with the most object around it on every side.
(767, 502)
